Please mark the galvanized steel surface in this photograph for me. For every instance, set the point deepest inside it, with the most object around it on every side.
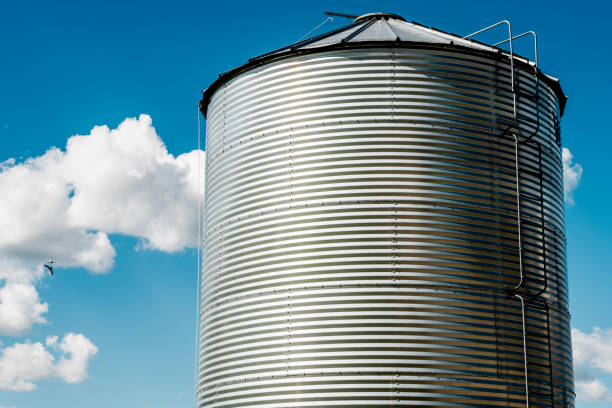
(361, 236)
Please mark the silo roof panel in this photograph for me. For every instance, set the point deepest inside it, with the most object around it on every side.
(379, 30)
(329, 40)
(412, 32)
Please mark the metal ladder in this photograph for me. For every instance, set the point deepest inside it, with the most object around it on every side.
(529, 300)
(533, 299)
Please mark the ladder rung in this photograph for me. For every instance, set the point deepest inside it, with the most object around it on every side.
(535, 286)
(531, 173)
(536, 278)
(541, 388)
(531, 223)
(519, 118)
(526, 119)
(541, 394)
(540, 365)
(529, 303)
(530, 195)
(531, 198)
(536, 282)
(529, 251)
(528, 95)
(536, 335)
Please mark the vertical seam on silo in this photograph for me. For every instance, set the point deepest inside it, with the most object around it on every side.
(291, 168)
(397, 390)
(558, 281)
(492, 190)
(537, 105)
(543, 221)
(288, 324)
(550, 360)
(491, 175)
(224, 118)
(556, 252)
(395, 254)
(288, 321)
(394, 247)
(394, 243)
(392, 86)
(496, 333)
(219, 260)
(215, 287)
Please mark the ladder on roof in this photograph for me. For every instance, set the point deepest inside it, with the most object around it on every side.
(517, 93)
(528, 200)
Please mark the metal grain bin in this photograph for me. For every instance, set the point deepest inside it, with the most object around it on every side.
(384, 226)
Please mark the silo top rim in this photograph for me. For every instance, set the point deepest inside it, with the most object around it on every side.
(383, 30)
(379, 15)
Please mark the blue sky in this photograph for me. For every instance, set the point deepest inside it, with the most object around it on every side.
(69, 66)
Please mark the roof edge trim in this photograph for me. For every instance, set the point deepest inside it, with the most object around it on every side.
(228, 75)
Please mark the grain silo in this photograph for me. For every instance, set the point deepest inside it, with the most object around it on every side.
(384, 226)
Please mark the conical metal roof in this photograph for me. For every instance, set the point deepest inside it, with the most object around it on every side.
(381, 29)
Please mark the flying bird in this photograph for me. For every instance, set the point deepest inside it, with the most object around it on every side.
(50, 267)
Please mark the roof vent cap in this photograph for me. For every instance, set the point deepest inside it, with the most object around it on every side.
(379, 16)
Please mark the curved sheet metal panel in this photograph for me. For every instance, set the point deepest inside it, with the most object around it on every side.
(361, 238)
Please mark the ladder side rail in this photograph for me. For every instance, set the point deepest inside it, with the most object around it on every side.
(546, 309)
(511, 56)
(521, 274)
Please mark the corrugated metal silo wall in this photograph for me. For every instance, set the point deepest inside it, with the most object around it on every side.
(361, 238)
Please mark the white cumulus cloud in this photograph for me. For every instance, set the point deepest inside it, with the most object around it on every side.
(592, 354)
(125, 181)
(121, 180)
(572, 172)
(23, 364)
(20, 305)
(592, 390)
(66, 202)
